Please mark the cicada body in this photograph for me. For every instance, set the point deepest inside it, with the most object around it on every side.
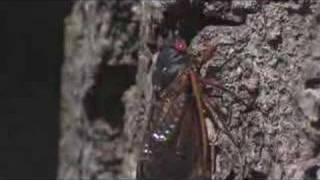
(176, 141)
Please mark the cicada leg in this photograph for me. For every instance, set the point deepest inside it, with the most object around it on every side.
(213, 135)
(205, 82)
(213, 109)
(217, 120)
(216, 84)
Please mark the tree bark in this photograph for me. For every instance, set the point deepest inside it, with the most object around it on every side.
(267, 54)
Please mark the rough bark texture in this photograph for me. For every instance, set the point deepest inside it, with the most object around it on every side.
(268, 53)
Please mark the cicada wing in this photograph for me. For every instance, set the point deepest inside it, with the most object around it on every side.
(181, 155)
(192, 135)
(200, 120)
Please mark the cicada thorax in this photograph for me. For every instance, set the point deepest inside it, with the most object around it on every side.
(174, 141)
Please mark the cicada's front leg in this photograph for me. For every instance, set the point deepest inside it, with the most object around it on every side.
(217, 116)
(213, 83)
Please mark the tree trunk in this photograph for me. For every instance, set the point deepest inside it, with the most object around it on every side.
(267, 54)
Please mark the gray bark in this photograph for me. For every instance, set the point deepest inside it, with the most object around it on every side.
(270, 56)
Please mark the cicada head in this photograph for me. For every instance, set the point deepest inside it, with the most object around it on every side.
(171, 60)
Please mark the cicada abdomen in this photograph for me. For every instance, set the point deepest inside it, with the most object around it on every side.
(176, 142)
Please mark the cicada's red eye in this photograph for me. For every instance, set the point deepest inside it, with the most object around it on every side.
(180, 45)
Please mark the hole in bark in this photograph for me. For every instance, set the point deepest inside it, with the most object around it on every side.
(183, 17)
(312, 173)
(104, 99)
(256, 175)
(312, 83)
(274, 43)
(315, 124)
(231, 176)
(188, 18)
(317, 18)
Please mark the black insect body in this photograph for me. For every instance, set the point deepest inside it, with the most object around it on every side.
(171, 60)
(176, 142)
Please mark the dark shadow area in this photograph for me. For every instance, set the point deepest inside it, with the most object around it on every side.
(31, 55)
(312, 173)
(104, 99)
(312, 83)
(256, 175)
(186, 18)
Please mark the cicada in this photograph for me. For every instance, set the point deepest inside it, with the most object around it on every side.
(176, 143)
